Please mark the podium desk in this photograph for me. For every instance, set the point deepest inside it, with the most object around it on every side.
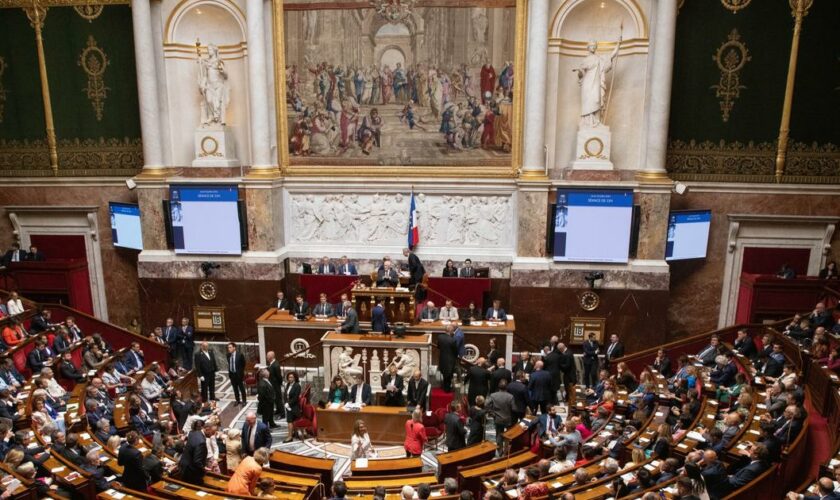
(388, 467)
(386, 424)
(399, 303)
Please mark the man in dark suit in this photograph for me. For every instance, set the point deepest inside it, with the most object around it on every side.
(478, 378)
(14, 254)
(467, 271)
(386, 276)
(133, 359)
(524, 364)
(301, 307)
(339, 309)
(495, 312)
(614, 351)
(186, 343)
(539, 385)
(281, 302)
(448, 356)
(34, 255)
(194, 458)
(714, 475)
(552, 360)
(265, 399)
(724, 375)
(708, 354)
(568, 368)
(745, 475)
(41, 322)
(322, 309)
(500, 404)
(744, 344)
(39, 358)
(429, 312)
(825, 491)
(549, 424)
(68, 370)
(499, 373)
(591, 350)
(255, 435)
(518, 388)
(392, 384)
(416, 270)
(236, 372)
(346, 267)
(455, 431)
(350, 323)
(275, 376)
(205, 365)
(170, 336)
(131, 460)
(378, 319)
(418, 390)
(326, 267)
(360, 393)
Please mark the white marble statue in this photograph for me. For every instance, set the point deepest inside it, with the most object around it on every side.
(592, 77)
(212, 83)
(348, 366)
(405, 363)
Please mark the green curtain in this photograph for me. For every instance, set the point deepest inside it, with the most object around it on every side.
(23, 115)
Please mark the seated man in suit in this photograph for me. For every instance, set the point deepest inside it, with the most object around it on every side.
(68, 370)
(301, 307)
(14, 254)
(281, 302)
(708, 354)
(346, 267)
(326, 267)
(133, 358)
(825, 491)
(496, 313)
(744, 344)
(323, 309)
(448, 312)
(549, 424)
(255, 435)
(39, 358)
(41, 322)
(467, 271)
(429, 312)
(360, 393)
(339, 309)
(745, 475)
(724, 373)
(418, 389)
(386, 276)
(350, 323)
(35, 255)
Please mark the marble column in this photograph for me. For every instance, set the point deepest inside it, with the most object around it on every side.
(147, 91)
(659, 93)
(532, 213)
(163, 90)
(257, 87)
(654, 201)
(533, 151)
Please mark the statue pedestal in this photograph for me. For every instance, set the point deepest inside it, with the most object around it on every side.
(593, 149)
(215, 147)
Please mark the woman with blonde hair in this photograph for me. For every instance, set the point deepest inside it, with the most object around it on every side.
(113, 444)
(360, 445)
(14, 458)
(637, 456)
(233, 445)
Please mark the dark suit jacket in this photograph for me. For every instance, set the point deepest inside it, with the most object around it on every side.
(348, 268)
(417, 392)
(395, 398)
(746, 347)
(552, 363)
(10, 253)
(240, 363)
(525, 366)
(450, 273)
(292, 397)
(131, 362)
(326, 269)
(38, 324)
(448, 353)
(476, 423)
(35, 257)
(36, 360)
(389, 279)
(521, 400)
(206, 367)
(663, 366)
(351, 322)
(539, 385)
(467, 272)
(60, 345)
(568, 367)
(714, 475)
(324, 309)
(366, 391)
(590, 351)
(429, 313)
(746, 474)
(724, 376)
(455, 432)
(133, 475)
(378, 320)
(275, 376)
(153, 467)
(261, 440)
(302, 308)
(617, 352)
(281, 304)
(479, 380)
(542, 422)
(501, 315)
(499, 374)
(415, 269)
(69, 371)
(265, 396)
(97, 475)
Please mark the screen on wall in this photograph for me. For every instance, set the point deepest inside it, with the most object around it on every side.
(593, 225)
(125, 225)
(688, 234)
(205, 219)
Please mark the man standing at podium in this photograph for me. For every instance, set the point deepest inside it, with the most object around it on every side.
(415, 267)
(378, 318)
(387, 277)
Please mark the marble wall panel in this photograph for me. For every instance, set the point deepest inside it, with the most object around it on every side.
(151, 216)
(653, 225)
(532, 208)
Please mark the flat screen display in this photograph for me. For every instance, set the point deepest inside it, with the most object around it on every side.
(688, 234)
(205, 219)
(593, 225)
(125, 225)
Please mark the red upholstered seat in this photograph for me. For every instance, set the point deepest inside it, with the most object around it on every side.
(308, 420)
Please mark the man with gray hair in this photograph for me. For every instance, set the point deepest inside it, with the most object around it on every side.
(350, 324)
(450, 486)
(265, 399)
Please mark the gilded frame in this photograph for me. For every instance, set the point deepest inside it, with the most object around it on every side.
(463, 171)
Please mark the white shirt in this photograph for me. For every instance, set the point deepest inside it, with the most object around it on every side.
(14, 306)
(361, 447)
(189, 423)
(150, 389)
(212, 448)
(54, 389)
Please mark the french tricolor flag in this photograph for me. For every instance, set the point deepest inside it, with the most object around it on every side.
(413, 229)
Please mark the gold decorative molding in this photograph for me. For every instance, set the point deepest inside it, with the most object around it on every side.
(94, 62)
(731, 57)
(22, 4)
(709, 161)
(735, 5)
(89, 12)
(79, 157)
(3, 92)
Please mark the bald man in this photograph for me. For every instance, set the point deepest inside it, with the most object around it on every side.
(205, 364)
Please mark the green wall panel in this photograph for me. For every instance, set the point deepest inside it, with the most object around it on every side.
(23, 116)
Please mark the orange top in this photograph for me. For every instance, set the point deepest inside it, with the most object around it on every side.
(12, 336)
(245, 477)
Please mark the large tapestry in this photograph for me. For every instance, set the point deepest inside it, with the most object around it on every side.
(401, 83)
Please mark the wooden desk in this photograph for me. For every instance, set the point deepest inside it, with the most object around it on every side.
(193, 493)
(321, 467)
(388, 467)
(399, 304)
(386, 424)
(469, 478)
(371, 482)
(448, 463)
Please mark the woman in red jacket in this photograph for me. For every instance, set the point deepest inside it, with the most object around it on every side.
(415, 435)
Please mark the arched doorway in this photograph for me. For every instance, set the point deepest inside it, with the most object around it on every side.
(390, 57)
(392, 45)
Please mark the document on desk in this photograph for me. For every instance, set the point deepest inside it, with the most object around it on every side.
(361, 463)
